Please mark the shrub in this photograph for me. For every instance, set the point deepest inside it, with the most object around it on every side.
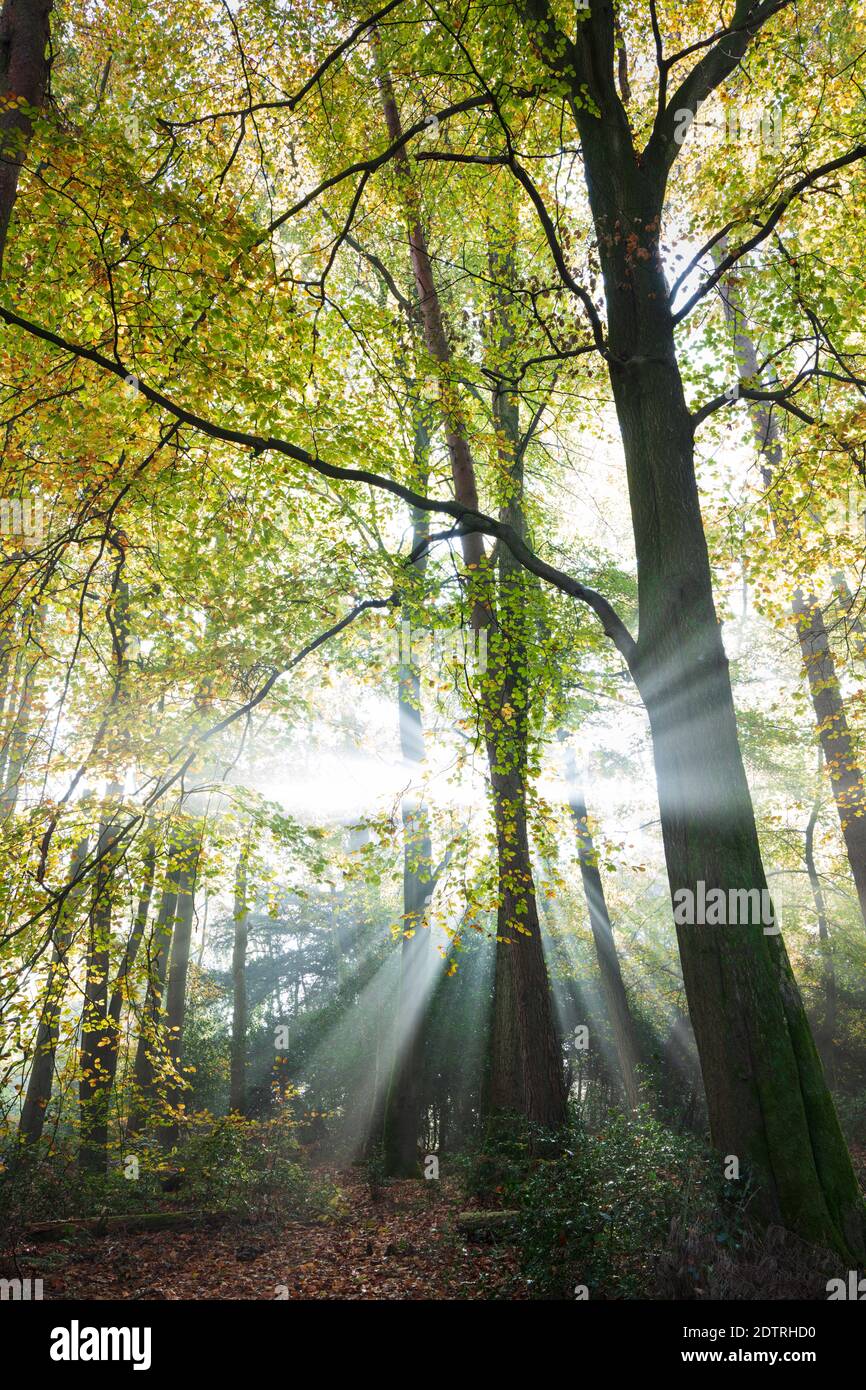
(375, 1171)
(252, 1166)
(495, 1171)
(598, 1214)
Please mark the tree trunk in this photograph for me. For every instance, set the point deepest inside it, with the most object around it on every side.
(41, 1079)
(518, 933)
(405, 1097)
(177, 978)
(150, 1049)
(406, 1090)
(834, 731)
(95, 1079)
(503, 1092)
(238, 1075)
(13, 755)
(24, 32)
(107, 1048)
(827, 1030)
(136, 935)
(612, 985)
(767, 1097)
(543, 1091)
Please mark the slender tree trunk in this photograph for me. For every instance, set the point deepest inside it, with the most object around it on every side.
(14, 750)
(405, 1099)
(107, 1050)
(682, 1084)
(612, 985)
(831, 718)
(827, 1030)
(177, 981)
(130, 954)
(24, 30)
(238, 1073)
(150, 1051)
(41, 1079)
(95, 1079)
(402, 1121)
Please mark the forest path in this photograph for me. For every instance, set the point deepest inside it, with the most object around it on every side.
(402, 1246)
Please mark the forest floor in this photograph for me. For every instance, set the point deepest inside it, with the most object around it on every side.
(401, 1245)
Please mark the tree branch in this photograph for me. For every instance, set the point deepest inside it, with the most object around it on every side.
(468, 519)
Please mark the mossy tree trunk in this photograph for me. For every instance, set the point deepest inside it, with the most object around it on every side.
(768, 1101)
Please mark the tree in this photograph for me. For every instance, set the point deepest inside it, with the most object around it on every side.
(819, 664)
(768, 1101)
(540, 1092)
(24, 26)
(615, 996)
(41, 1078)
(238, 1082)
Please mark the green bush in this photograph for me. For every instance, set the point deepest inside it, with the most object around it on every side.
(494, 1171)
(219, 1163)
(598, 1213)
(252, 1166)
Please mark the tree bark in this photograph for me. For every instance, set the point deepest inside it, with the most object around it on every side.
(97, 1044)
(130, 954)
(827, 1030)
(106, 1050)
(151, 1036)
(503, 1092)
(24, 32)
(177, 980)
(405, 1097)
(238, 1071)
(768, 1101)
(819, 663)
(41, 1079)
(13, 755)
(612, 984)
